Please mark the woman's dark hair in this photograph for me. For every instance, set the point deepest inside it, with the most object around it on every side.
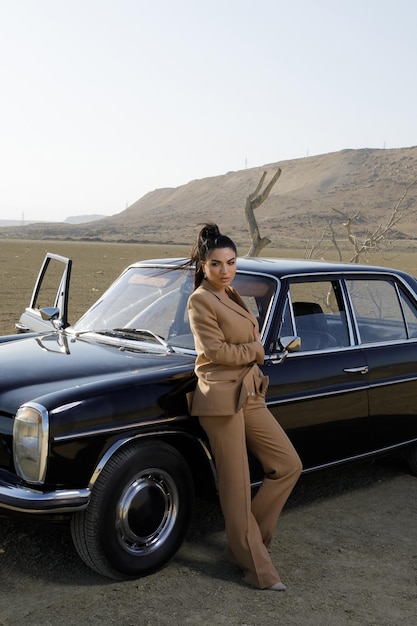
(209, 238)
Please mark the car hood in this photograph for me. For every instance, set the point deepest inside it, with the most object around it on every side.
(38, 365)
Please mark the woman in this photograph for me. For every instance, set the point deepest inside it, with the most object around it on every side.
(230, 402)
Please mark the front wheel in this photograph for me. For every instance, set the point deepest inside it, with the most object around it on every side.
(139, 511)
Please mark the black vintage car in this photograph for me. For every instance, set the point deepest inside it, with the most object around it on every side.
(93, 417)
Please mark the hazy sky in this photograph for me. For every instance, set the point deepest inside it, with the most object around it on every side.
(102, 101)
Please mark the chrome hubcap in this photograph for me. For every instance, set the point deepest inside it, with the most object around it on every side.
(146, 511)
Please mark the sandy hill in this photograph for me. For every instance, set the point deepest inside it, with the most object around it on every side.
(367, 183)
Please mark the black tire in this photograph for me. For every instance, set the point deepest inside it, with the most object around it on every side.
(139, 512)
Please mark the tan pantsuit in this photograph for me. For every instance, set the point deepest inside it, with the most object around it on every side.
(230, 403)
(250, 524)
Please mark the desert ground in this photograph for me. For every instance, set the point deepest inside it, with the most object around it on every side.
(346, 544)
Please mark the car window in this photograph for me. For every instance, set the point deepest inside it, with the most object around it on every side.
(315, 312)
(50, 292)
(378, 310)
(257, 293)
(410, 312)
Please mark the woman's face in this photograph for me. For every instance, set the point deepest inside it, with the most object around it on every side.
(220, 267)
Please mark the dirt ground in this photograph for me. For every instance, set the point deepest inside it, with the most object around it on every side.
(346, 544)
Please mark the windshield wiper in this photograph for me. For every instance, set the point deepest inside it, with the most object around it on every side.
(140, 334)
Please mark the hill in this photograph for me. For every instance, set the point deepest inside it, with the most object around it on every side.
(366, 182)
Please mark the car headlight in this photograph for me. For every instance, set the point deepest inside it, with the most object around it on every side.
(30, 442)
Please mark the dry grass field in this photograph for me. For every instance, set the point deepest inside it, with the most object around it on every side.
(96, 265)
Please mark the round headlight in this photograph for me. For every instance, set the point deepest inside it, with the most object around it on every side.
(30, 442)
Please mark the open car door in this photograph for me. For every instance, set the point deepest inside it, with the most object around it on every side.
(48, 307)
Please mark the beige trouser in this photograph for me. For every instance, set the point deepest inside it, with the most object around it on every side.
(251, 523)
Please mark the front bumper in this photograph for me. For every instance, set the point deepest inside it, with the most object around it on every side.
(23, 499)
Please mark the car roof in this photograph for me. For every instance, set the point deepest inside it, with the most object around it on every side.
(281, 267)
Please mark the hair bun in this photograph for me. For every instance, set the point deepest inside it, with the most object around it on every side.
(209, 232)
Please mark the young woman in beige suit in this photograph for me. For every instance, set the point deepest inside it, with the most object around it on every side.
(230, 403)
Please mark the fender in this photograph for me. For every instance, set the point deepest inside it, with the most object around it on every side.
(194, 449)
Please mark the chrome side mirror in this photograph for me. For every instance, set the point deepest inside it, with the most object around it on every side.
(51, 314)
(282, 348)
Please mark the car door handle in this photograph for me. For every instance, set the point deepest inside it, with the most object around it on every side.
(363, 369)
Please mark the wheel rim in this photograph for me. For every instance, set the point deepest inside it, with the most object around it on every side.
(146, 511)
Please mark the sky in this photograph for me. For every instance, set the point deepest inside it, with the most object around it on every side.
(103, 101)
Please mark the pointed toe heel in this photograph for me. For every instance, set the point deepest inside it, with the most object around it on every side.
(277, 587)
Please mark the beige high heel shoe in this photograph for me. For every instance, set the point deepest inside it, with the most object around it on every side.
(277, 587)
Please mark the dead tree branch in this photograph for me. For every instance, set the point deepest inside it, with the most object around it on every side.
(253, 201)
(317, 246)
(374, 240)
(335, 242)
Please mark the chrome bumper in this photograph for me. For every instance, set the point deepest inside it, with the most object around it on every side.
(25, 500)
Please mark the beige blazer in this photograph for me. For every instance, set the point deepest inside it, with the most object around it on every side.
(227, 352)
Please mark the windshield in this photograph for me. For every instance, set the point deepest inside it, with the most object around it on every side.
(154, 299)
(145, 298)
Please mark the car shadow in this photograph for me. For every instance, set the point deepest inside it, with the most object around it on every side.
(39, 549)
(311, 487)
(202, 552)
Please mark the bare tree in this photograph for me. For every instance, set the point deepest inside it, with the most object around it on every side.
(253, 201)
(383, 235)
(372, 241)
(318, 242)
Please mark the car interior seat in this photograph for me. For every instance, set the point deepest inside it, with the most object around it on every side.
(311, 326)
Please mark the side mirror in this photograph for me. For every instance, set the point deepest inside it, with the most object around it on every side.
(282, 348)
(50, 314)
(290, 344)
